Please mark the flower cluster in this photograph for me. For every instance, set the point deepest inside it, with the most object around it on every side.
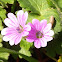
(38, 32)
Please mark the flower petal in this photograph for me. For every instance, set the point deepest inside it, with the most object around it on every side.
(18, 39)
(32, 34)
(11, 42)
(13, 19)
(43, 42)
(47, 28)
(8, 22)
(48, 38)
(32, 27)
(24, 33)
(36, 24)
(43, 23)
(13, 38)
(5, 38)
(50, 33)
(37, 43)
(31, 37)
(30, 40)
(3, 32)
(27, 28)
(11, 31)
(19, 17)
(8, 37)
(22, 17)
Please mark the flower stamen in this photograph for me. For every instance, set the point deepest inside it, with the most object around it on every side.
(39, 34)
(19, 29)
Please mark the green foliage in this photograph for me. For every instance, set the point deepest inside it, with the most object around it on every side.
(7, 1)
(2, 17)
(25, 52)
(0, 44)
(1, 27)
(2, 13)
(31, 5)
(25, 46)
(4, 55)
(5, 50)
(1, 40)
(60, 3)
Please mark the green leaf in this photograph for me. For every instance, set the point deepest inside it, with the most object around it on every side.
(1, 40)
(35, 6)
(1, 27)
(25, 52)
(1, 45)
(32, 16)
(5, 50)
(4, 55)
(1, 60)
(8, 1)
(30, 5)
(50, 3)
(60, 3)
(2, 14)
(2, 17)
(2, 4)
(25, 46)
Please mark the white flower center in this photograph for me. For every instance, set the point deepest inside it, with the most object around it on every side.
(39, 34)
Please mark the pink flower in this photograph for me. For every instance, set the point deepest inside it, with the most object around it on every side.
(40, 33)
(16, 27)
